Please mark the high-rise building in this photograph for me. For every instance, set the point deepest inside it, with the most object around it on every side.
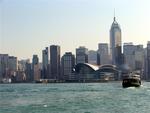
(45, 63)
(13, 63)
(28, 72)
(24, 72)
(129, 54)
(4, 58)
(37, 72)
(68, 63)
(55, 62)
(145, 64)
(81, 55)
(92, 57)
(148, 60)
(8, 66)
(12, 66)
(22, 64)
(102, 54)
(35, 68)
(139, 57)
(115, 42)
(134, 57)
(35, 60)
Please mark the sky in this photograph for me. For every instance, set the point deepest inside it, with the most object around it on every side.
(28, 26)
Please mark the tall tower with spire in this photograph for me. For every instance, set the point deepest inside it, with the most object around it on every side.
(115, 42)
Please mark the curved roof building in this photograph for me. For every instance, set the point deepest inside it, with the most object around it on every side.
(85, 71)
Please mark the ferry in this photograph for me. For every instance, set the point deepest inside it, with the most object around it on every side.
(131, 80)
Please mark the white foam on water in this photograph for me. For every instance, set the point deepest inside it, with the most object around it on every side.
(45, 105)
(131, 88)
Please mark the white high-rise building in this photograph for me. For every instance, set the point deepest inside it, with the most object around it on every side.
(115, 40)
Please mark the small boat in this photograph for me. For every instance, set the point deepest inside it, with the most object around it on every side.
(132, 80)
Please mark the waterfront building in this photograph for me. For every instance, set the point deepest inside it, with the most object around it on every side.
(37, 72)
(92, 57)
(134, 57)
(115, 42)
(102, 54)
(129, 53)
(45, 63)
(148, 60)
(67, 64)
(139, 57)
(13, 63)
(35, 68)
(86, 72)
(28, 72)
(22, 64)
(145, 64)
(12, 66)
(55, 62)
(24, 70)
(35, 60)
(4, 58)
(8, 66)
(81, 55)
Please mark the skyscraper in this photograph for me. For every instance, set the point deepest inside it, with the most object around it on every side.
(68, 63)
(55, 62)
(102, 54)
(4, 58)
(148, 60)
(12, 66)
(8, 66)
(45, 63)
(134, 57)
(81, 55)
(35, 60)
(28, 72)
(129, 53)
(13, 63)
(92, 57)
(139, 57)
(115, 42)
(35, 68)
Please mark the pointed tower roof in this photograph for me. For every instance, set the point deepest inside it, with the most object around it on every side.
(115, 23)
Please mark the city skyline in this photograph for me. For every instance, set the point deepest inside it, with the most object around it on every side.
(30, 26)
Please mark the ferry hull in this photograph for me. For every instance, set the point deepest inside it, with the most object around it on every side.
(131, 83)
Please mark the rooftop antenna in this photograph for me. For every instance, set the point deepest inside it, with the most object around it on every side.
(114, 15)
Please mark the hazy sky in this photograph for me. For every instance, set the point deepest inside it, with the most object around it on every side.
(28, 26)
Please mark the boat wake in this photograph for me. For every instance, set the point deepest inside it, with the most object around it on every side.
(131, 88)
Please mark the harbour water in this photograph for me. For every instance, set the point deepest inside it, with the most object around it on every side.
(74, 98)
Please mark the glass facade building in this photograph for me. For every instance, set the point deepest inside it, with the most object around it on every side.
(115, 40)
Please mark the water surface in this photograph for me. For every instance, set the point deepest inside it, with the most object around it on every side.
(74, 98)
